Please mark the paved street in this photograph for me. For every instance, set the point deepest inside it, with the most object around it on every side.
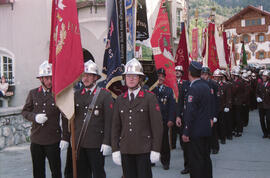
(244, 157)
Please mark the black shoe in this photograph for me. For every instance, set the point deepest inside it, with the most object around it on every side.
(229, 137)
(214, 151)
(264, 136)
(153, 164)
(269, 136)
(173, 147)
(166, 167)
(223, 141)
(185, 171)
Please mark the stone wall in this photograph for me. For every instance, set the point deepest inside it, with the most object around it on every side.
(14, 129)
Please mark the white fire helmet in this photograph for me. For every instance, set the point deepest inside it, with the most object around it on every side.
(45, 69)
(217, 73)
(133, 67)
(91, 68)
(266, 73)
(179, 68)
(245, 76)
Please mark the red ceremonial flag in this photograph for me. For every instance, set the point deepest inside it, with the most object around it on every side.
(203, 42)
(161, 44)
(226, 48)
(181, 56)
(195, 36)
(213, 62)
(65, 53)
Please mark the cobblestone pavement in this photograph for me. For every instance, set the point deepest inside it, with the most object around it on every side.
(244, 157)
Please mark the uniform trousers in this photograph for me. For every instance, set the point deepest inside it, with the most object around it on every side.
(136, 165)
(229, 121)
(39, 153)
(90, 160)
(222, 125)
(165, 154)
(199, 155)
(238, 123)
(69, 166)
(245, 115)
(184, 146)
(265, 120)
(214, 138)
(175, 132)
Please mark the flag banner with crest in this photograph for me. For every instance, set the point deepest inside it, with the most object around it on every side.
(220, 48)
(243, 58)
(112, 66)
(121, 11)
(66, 53)
(161, 44)
(226, 48)
(195, 43)
(213, 61)
(232, 55)
(130, 28)
(142, 22)
(203, 42)
(181, 56)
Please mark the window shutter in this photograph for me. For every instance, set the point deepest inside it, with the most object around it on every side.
(263, 21)
(243, 23)
(257, 38)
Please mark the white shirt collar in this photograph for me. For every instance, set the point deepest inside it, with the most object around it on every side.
(135, 92)
(92, 88)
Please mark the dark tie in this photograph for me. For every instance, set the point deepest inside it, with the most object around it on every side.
(131, 97)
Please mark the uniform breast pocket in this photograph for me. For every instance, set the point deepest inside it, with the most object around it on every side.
(142, 112)
(97, 111)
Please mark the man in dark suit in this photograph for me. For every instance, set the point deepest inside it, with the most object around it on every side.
(205, 75)
(198, 122)
(137, 126)
(166, 102)
(180, 114)
(47, 136)
(97, 141)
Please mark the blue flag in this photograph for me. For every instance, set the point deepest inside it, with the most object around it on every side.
(112, 67)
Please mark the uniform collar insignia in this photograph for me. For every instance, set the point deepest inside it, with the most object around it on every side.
(126, 94)
(141, 94)
(95, 90)
(83, 91)
(40, 89)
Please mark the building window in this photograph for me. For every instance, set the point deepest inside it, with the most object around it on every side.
(245, 38)
(178, 21)
(261, 38)
(261, 55)
(7, 69)
(253, 22)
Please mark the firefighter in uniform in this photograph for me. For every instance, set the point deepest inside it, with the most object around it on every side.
(97, 140)
(246, 99)
(180, 114)
(237, 96)
(205, 75)
(136, 126)
(263, 99)
(175, 129)
(166, 102)
(198, 122)
(46, 137)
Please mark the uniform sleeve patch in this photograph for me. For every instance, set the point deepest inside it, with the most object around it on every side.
(157, 107)
(111, 105)
(190, 98)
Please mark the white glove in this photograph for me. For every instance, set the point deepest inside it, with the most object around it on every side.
(226, 109)
(106, 150)
(259, 100)
(116, 157)
(154, 156)
(41, 118)
(214, 119)
(63, 145)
